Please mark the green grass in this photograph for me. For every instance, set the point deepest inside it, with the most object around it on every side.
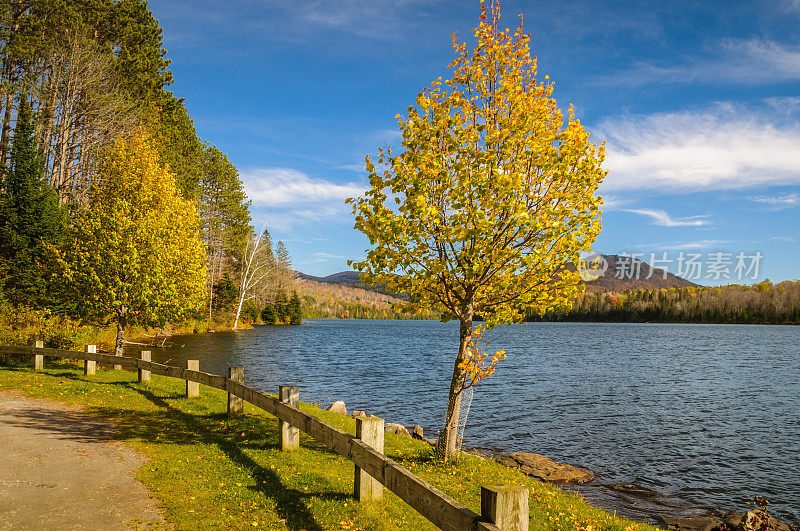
(211, 472)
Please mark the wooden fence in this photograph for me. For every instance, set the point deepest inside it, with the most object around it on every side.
(503, 507)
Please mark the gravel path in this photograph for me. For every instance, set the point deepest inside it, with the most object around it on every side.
(61, 469)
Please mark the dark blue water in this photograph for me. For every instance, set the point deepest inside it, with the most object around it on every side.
(708, 415)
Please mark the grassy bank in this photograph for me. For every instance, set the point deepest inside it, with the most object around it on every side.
(211, 472)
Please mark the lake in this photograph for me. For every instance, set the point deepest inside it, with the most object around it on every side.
(704, 415)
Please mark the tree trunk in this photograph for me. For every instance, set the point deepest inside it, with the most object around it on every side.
(447, 446)
(211, 298)
(238, 311)
(6, 129)
(122, 318)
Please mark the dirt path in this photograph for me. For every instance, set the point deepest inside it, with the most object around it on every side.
(60, 469)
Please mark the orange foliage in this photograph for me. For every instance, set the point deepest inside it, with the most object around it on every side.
(476, 364)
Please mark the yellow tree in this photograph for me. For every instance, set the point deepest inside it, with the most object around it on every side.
(486, 209)
(134, 253)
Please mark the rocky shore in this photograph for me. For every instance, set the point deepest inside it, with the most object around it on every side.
(545, 469)
(756, 520)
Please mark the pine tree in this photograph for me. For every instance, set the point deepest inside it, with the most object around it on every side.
(226, 293)
(281, 308)
(268, 315)
(31, 222)
(295, 310)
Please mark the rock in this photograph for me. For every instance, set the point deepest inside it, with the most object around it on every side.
(398, 429)
(757, 519)
(754, 520)
(432, 442)
(358, 413)
(545, 469)
(634, 490)
(734, 520)
(705, 523)
(338, 407)
(417, 433)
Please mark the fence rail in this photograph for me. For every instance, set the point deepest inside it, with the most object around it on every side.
(503, 507)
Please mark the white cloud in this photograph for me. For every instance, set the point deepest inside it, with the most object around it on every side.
(700, 244)
(778, 202)
(724, 147)
(613, 202)
(353, 167)
(296, 21)
(663, 219)
(785, 104)
(783, 238)
(377, 19)
(743, 62)
(328, 256)
(687, 246)
(281, 187)
(792, 5)
(289, 199)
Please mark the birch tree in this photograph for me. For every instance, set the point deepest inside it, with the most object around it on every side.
(258, 266)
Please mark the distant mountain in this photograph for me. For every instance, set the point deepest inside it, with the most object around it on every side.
(634, 274)
(344, 296)
(351, 279)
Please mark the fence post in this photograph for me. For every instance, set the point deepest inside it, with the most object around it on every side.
(89, 365)
(38, 359)
(370, 431)
(192, 388)
(506, 506)
(144, 375)
(289, 435)
(235, 404)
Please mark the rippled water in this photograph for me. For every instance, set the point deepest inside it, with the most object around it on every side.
(707, 415)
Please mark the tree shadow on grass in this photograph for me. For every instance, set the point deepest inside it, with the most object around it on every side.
(174, 426)
(9, 363)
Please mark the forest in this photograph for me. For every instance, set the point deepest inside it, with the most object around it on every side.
(762, 303)
(326, 300)
(112, 208)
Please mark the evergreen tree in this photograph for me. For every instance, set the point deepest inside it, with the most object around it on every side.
(295, 310)
(281, 308)
(31, 222)
(251, 312)
(268, 315)
(226, 293)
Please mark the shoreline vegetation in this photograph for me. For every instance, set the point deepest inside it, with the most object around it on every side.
(761, 303)
(23, 326)
(199, 459)
(343, 297)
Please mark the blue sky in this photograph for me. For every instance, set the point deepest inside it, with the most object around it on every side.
(698, 103)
